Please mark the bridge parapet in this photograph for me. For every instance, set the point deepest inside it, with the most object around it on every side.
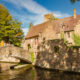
(14, 54)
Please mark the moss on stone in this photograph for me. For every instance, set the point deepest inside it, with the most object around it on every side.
(32, 56)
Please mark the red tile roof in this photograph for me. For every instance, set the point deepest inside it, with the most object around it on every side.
(35, 30)
(67, 23)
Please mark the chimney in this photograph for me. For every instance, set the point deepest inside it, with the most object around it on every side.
(74, 12)
(47, 17)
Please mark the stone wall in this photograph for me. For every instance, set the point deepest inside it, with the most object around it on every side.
(68, 35)
(49, 33)
(54, 54)
(33, 42)
(77, 28)
(14, 54)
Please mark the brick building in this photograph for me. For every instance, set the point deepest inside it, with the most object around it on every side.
(52, 29)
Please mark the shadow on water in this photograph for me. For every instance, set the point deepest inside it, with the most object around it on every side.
(38, 74)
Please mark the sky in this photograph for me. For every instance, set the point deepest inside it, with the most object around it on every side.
(28, 11)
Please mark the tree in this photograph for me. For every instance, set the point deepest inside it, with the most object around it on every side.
(30, 25)
(9, 28)
(73, 1)
(54, 18)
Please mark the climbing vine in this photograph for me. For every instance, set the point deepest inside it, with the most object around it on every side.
(62, 37)
(76, 39)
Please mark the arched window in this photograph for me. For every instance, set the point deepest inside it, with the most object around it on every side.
(29, 46)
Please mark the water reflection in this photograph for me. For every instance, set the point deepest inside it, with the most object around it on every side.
(37, 74)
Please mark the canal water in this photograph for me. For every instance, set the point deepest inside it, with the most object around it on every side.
(37, 74)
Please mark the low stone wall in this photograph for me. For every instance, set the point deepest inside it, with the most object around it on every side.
(54, 54)
(14, 54)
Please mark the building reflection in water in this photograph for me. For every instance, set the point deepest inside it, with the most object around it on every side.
(38, 74)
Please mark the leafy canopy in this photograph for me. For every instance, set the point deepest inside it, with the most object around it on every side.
(9, 28)
(73, 1)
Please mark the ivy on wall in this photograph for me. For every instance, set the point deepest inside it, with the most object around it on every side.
(76, 39)
(32, 56)
(63, 37)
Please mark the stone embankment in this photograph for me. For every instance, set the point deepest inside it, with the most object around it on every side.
(54, 54)
(6, 66)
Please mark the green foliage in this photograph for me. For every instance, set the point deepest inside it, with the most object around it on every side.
(9, 28)
(54, 18)
(76, 39)
(29, 46)
(62, 37)
(65, 41)
(73, 1)
(32, 56)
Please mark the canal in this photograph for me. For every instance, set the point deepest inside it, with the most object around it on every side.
(37, 74)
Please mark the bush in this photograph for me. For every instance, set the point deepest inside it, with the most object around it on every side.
(76, 39)
(62, 37)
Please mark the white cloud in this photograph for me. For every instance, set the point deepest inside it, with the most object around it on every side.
(29, 5)
(25, 30)
(36, 9)
(58, 14)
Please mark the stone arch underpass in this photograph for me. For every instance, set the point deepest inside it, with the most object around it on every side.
(14, 54)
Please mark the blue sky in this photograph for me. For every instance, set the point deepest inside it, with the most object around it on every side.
(33, 11)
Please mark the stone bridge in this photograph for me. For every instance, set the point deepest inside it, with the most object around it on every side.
(14, 54)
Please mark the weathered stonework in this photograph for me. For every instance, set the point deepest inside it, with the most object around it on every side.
(54, 54)
(6, 66)
(33, 42)
(13, 54)
(77, 28)
(52, 29)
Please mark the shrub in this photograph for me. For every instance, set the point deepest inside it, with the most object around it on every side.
(76, 39)
(62, 37)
